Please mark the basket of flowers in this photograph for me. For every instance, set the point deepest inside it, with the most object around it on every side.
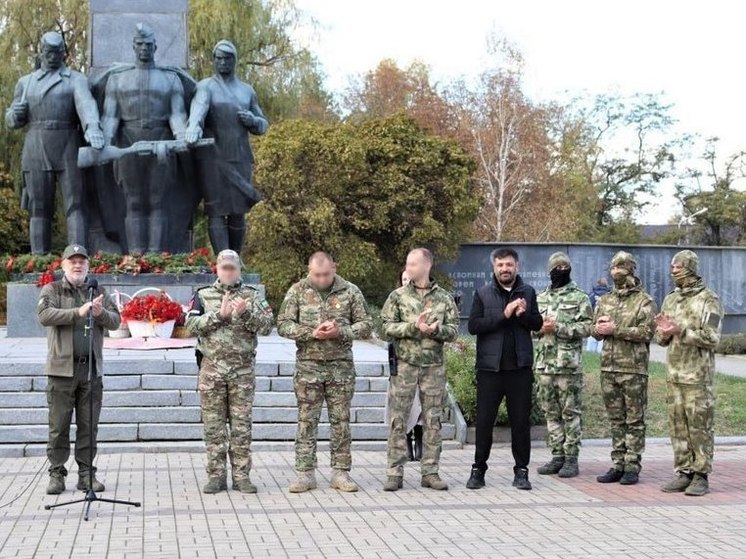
(151, 315)
(120, 299)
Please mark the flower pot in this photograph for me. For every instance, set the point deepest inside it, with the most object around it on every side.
(146, 329)
(121, 332)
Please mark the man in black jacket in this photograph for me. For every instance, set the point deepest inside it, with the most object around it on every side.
(503, 314)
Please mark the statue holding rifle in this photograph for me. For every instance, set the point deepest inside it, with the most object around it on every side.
(145, 103)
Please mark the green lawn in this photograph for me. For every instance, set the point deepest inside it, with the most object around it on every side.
(730, 407)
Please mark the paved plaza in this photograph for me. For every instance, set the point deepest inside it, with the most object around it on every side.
(559, 518)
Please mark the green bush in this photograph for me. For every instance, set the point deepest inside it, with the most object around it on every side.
(460, 361)
(732, 344)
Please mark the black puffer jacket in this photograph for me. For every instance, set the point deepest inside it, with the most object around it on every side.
(487, 320)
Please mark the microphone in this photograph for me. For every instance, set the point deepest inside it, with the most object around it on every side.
(92, 283)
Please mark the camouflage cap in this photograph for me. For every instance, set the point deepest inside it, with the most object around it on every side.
(74, 250)
(625, 260)
(688, 259)
(229, 258)
(558, 259)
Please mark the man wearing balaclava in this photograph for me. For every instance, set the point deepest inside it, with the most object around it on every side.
(558, 363)
(689, 324)
(625, 321)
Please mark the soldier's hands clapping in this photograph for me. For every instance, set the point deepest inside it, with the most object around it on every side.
(97, 306)
(666, 325)
(549, 326)
(226, 308)
(326, 330)
(240, 306)
(605, 326)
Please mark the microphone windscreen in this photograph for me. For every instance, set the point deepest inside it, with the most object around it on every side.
(92, 283)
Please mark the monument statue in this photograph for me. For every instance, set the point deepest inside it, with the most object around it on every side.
(226, 109)
(144, 102)
(56, 105)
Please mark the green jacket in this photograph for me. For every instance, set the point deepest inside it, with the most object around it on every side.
(400, 313)
(633, 311)
(57, 310)
(562, 351)
(304, 308)
(691, 354)
(231, 342)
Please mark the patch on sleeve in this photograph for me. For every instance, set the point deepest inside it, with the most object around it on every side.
(713, 320)
(265, 306)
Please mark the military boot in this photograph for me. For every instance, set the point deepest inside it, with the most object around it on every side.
(215, 485)
(98, 487)
(612, 476)
(698, 487)
(304, 482)
(56, 484)
(433, 481)
(393, 483)
(570, 467)
(551, 467)
(244, 485)
(342, 481)
(679, 484)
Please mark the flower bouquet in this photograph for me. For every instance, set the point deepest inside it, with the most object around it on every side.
(149, 316)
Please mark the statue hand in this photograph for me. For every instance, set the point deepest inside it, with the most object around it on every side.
(94, 137)
(193, 134)
(20, 111)
(246, 117)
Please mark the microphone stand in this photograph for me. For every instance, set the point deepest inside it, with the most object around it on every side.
(90, 495)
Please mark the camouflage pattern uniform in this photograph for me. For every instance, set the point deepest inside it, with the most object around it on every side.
(691, 367)
(624, 362)
(324, 368)
(421, 363)
(226, 374)
(558, 362)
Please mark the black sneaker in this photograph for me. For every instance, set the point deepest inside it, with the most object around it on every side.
(612, 476)
(476, 480)
(629, 478)
(520, 481)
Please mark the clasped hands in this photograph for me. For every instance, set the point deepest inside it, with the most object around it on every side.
(667, 326)
(228, 307)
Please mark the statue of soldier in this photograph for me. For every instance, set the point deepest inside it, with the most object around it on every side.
(144, 102)
(56, 104)
(226, 108)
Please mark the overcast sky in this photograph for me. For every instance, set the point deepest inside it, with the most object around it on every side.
(691, 51)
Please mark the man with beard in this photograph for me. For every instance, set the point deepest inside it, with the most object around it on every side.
(689, 325)
(559, 363)
(625, 321)
(503, 315)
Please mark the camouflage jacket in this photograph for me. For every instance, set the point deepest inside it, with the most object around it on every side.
(230, 342)
(304, 308)
(562, 351)
(627, 350)
(691, 354)
(399, 316)
(58, 310)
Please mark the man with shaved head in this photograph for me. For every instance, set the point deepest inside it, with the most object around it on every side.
(420, 317)
(323, 313)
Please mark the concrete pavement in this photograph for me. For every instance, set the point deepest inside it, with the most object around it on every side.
(560, 518)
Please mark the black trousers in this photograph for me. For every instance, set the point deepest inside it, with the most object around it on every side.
(516, 388)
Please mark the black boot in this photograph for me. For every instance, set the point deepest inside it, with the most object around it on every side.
(520, 480)
(476, 479)
(410, 447)
(417, 443)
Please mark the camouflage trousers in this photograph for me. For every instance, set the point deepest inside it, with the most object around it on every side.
(402, 387)
(227, 396)
(691, 417)
(560, 401)
(314, 383)
(626, 400)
